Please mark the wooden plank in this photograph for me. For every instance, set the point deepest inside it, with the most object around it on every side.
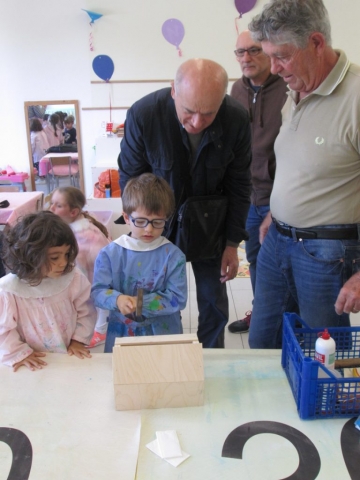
(157, 339)
(158, 364)
(165, 395)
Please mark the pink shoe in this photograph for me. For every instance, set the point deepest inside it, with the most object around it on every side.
(97, 339)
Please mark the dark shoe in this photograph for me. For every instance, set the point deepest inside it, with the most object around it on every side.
(241, 326)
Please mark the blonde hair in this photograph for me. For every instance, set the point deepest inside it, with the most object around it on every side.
(76, 199)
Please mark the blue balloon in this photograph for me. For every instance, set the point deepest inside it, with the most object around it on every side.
(103, 66)
(93, 15)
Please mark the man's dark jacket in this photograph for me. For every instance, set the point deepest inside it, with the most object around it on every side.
(264, 108)
(155, 141)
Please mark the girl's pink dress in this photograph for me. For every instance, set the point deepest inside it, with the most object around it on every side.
(44, 318)
(90, 241)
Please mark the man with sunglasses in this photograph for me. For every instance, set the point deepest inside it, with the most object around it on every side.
(263, 95)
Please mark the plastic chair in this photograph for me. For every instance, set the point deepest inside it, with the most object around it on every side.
(60, 167)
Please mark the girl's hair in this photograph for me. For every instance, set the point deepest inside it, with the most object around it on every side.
(62, 116)
(26, 245)
(35, 125)
(76, 199)
(149, 192)
(54, 120)
(46, 117)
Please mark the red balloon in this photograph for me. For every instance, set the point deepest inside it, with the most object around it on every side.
(243, 6)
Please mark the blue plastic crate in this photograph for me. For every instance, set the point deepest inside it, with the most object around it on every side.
(318, 393)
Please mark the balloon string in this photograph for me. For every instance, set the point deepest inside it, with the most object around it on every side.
(91, 42)
(179, 51)
(236, 25)
(110, 99)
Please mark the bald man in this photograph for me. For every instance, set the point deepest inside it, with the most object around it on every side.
(263, 95)
(198, 139)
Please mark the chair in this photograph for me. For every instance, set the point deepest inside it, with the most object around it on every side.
(60, 167)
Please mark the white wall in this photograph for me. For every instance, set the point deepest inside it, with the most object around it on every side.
(45, 55)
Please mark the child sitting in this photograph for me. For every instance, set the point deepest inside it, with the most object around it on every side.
(44, 301)
(91, 236)
(144, 259)
(70, 130)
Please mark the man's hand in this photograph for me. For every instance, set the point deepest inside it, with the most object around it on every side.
(229, 264)
(32, 362)
(264, 227)
(348, 299)
(78, 349)
(126, 304)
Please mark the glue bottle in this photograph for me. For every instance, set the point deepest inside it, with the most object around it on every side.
(325, 347)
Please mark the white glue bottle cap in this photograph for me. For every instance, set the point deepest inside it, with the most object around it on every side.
(325, 348)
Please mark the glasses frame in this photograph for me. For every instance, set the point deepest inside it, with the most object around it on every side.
(147, 222)
(252, 51)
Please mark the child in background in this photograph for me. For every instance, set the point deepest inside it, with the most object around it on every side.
(144, 259)
(53, 131)
(70, 131)
(91, 236)
(45, 120)
(44, 301)
(38, 140)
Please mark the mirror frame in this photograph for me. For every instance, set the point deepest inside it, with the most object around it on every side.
(78, 135)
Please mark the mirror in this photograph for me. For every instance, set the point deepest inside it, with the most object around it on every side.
(37, 109)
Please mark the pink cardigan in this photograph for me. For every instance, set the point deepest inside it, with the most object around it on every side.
(44, 318)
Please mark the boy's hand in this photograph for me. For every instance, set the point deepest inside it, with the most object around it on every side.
(126, 304)
(32, 362)
(78, 349)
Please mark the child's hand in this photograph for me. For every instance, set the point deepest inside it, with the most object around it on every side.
(31, 362)
(126, 304)
(78, 349)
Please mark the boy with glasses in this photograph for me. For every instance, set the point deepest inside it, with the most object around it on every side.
(143, 260)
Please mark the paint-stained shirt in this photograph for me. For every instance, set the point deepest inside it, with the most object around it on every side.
(159, 268)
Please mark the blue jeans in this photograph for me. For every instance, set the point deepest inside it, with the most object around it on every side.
(212, 302)
(307, 274)
(255, 218)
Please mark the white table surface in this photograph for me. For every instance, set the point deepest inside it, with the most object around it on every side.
(21, 203)
(67, 412)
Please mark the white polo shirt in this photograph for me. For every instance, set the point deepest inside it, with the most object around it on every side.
(317, 179)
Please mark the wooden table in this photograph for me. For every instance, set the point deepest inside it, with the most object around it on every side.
(21, 203)
(67, 421)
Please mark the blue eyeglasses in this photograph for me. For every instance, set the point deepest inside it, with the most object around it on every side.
(144, 222)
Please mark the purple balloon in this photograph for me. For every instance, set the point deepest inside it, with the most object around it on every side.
(243, 6)
(173, 31)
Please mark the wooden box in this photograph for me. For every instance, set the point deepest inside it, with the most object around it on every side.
(158, 371)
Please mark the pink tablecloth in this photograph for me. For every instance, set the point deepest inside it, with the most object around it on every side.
(44, 162)
(21, 203)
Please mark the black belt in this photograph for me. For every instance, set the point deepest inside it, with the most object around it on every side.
(328, 232)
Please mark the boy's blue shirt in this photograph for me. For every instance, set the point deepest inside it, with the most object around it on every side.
(127, 264)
